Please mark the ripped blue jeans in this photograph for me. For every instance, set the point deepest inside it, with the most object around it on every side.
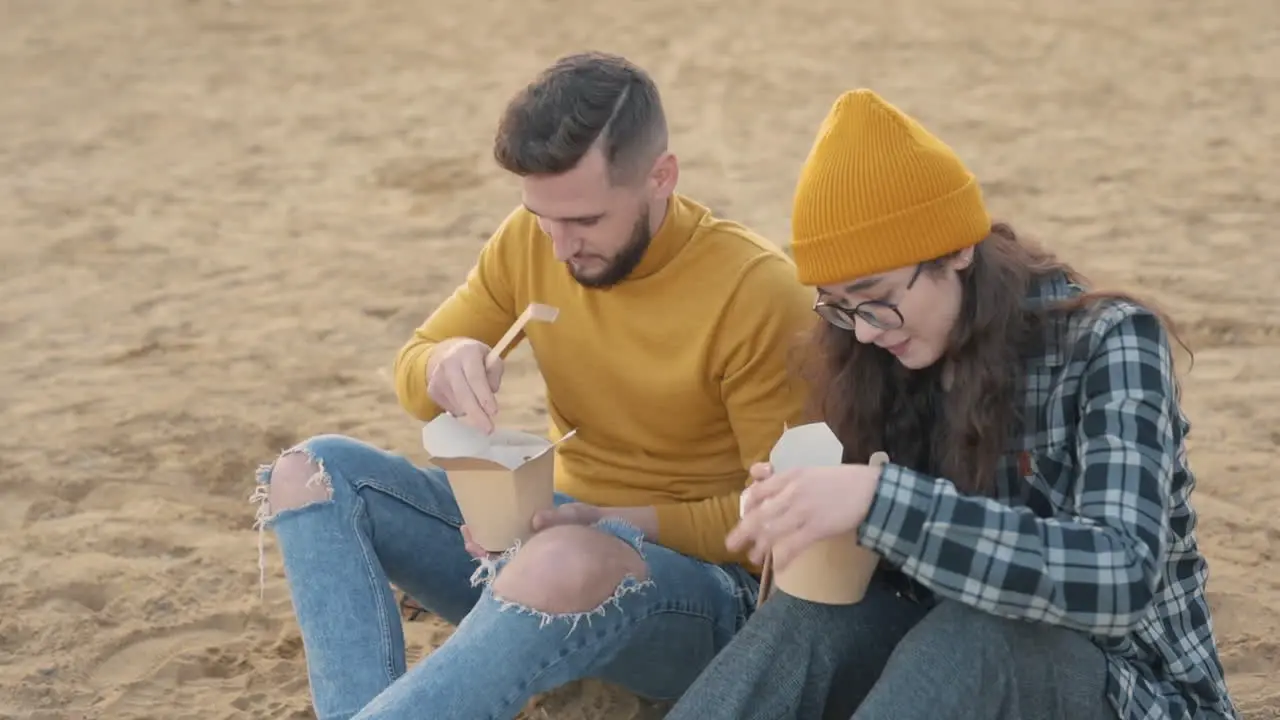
(387, 521)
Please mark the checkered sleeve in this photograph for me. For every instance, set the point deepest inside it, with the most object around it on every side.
(1096, 570)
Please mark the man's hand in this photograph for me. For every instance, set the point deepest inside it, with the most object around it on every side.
(473, 548)
(459, 381)
(567, 514)
(644, 518)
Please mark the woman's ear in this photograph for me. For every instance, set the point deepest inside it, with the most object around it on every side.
(963, 259)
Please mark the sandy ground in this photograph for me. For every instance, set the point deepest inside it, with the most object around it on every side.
(218, 220)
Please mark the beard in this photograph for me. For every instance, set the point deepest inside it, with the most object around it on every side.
(618, 267)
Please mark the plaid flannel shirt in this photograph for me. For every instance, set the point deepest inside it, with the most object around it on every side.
(1089, 527)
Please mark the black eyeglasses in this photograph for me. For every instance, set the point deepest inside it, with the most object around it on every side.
(878, 314)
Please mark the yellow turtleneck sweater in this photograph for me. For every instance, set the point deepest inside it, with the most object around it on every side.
(676, 379)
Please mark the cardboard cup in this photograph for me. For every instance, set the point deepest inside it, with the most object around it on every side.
(834, 571)
(499, 480)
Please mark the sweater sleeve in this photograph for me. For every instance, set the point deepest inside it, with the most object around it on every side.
(756, 337)
(483, 307)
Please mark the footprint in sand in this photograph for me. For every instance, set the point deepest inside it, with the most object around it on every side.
(430, 175)
(1221, 332)
(13, 512)
(141, 655)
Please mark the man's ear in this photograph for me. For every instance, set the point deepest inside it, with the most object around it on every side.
(663, 177)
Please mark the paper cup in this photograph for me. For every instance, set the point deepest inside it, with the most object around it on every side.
(835, 571)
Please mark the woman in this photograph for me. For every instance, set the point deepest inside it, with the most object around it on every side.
(1038, 550)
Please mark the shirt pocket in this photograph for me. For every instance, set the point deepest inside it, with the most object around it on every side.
(1046, 479)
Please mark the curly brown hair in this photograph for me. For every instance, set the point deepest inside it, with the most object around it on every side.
(958, 429)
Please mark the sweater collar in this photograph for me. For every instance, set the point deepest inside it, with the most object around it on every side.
(681, 217)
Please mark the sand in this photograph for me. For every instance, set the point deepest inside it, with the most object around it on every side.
(220, 220)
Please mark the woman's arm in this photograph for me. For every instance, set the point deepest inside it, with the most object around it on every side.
(1096, 572)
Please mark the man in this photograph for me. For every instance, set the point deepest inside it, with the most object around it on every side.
(669, 357)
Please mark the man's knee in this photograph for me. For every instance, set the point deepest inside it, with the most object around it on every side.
(569, 569)
(295, 481)
(298, 477)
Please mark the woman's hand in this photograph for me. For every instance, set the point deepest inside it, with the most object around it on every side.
(785, 513)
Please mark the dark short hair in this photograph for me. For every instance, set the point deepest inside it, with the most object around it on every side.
(553, 122)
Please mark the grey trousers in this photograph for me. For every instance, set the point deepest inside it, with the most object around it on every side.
(890, 658)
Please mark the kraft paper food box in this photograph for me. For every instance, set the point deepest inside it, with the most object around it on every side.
(500, 480)
(834, 571)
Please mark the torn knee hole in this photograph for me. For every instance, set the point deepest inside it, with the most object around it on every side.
(297, 481)
(571, 571)
(564, 598)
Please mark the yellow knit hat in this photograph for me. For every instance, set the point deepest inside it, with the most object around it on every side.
(879, 192)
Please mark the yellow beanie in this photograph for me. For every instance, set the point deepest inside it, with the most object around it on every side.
(879, 192)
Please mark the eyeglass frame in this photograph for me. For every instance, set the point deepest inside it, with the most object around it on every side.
(843, 318)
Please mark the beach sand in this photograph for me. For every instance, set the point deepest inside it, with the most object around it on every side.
(221, 219)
